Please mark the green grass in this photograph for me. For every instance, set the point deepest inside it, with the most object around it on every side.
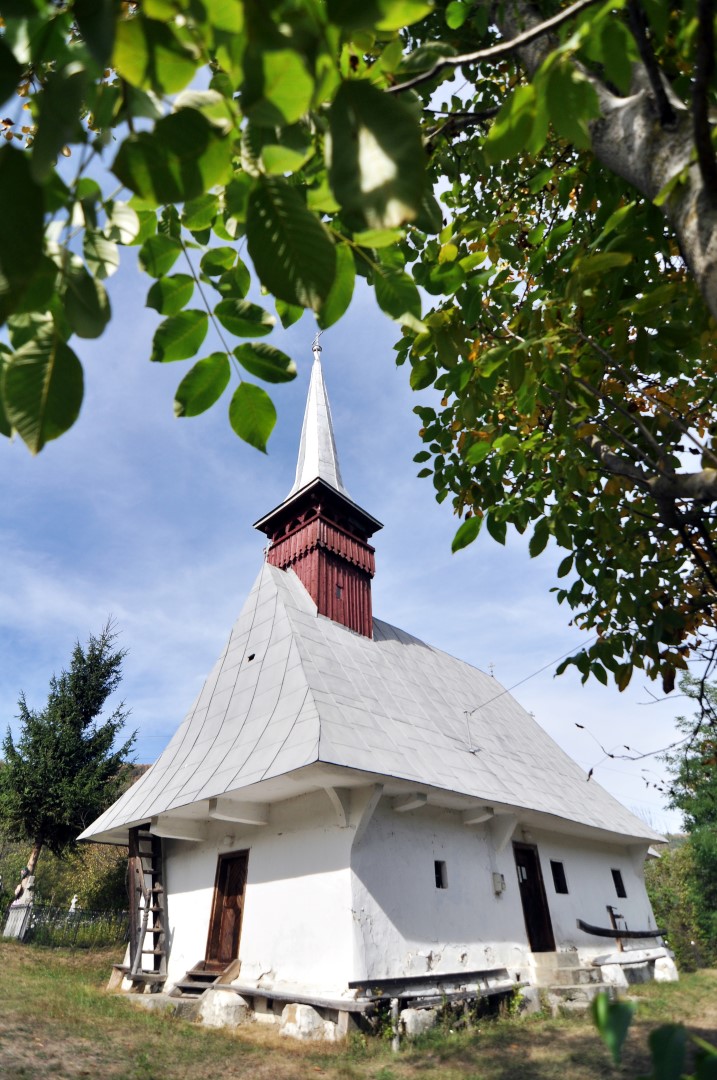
(57, 1020)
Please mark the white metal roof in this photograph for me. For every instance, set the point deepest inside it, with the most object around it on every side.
(293, 688)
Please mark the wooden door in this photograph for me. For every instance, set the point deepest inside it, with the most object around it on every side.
(533, 898)
(227, 909)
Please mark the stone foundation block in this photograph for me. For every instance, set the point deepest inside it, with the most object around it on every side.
(304, 1022)
(220, 1008)
(416, 1021)
(666, 969)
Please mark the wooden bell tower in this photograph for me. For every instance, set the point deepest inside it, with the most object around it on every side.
(318, 531)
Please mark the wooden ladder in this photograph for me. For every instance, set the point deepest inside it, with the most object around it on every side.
(148, 911)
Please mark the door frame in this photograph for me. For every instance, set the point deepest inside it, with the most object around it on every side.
(218, 907)
(538, 923)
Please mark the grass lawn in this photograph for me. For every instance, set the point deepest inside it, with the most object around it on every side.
(56, 1020)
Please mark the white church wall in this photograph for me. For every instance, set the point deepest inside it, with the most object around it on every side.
(405, 925)
(296, 926)
(297, 919)
(588, 870)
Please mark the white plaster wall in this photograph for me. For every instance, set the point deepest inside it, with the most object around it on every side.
(591, 889)
(404, 925)
(297, 913)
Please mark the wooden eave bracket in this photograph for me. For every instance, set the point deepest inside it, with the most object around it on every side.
(478, 815)
(405, 803)
(242, 813)
(340, 799)
(502, 827)
(171, 828)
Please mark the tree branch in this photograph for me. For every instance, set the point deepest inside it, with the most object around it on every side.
(638, 25)
(628, 142)
(704, 73)
(496, 52)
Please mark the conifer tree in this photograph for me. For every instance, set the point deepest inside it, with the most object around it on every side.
(64, 768)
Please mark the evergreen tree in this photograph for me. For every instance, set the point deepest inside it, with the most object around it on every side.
(64, 768)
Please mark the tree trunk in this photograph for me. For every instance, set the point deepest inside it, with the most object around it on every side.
(35, 854)
(629, 139)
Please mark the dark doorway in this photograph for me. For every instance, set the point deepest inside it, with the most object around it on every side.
(532, 895)
(227, 910)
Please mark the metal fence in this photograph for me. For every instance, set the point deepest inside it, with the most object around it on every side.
(45, 924)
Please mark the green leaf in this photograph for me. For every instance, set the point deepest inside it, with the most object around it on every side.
(5, 425)
(378, 238)
(22, 231)
(182, 158)
(123, 224)
(179, 336)
(10, 72)
(342, 290)
(478, 452)
(252, 415)
(158, 254)
(87, 306)
(375, 156)
(291, 251)
(466, 533)
(243, 319)
(539, 539)
(149, 55)
(265, 362)
(96, 20)
(513, 125)
(497, 529)
(43, 387)
(572, 103)
(200, 213)
(234, 284)
(423, 374)
(396, 293)
(456, 14)
(377, 14)
(59, 120)
(600, 263)
(215, 261)
(169, 295)
(667, 1048)
(203, 385)
(278, 87)
(565, 566)
(612, 1019)
(288, 313)
(101, 254)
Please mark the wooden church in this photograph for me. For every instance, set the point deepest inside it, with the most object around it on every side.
(348, 816)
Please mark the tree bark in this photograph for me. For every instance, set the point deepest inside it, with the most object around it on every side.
(35, 854)
(629, 139)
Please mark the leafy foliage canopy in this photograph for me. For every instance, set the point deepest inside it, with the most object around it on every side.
(569, 259)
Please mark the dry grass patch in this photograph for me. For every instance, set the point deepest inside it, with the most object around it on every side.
(57, 1020)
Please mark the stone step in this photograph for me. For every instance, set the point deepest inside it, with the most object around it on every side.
(571, 977)
(556, 960)
(567, 999)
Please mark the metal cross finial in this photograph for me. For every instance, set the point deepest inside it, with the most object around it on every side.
(316, 348)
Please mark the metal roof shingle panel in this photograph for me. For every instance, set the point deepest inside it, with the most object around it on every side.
(390, 705)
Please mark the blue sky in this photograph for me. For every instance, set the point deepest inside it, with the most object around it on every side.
(147, 518)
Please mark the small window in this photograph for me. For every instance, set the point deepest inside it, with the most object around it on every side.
(441, 878)
(619, 884)
(559, 879)
(339, 591)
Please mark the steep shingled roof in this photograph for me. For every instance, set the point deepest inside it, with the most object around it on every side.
(292, 688)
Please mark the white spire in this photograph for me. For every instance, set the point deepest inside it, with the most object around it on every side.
(317, 450)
